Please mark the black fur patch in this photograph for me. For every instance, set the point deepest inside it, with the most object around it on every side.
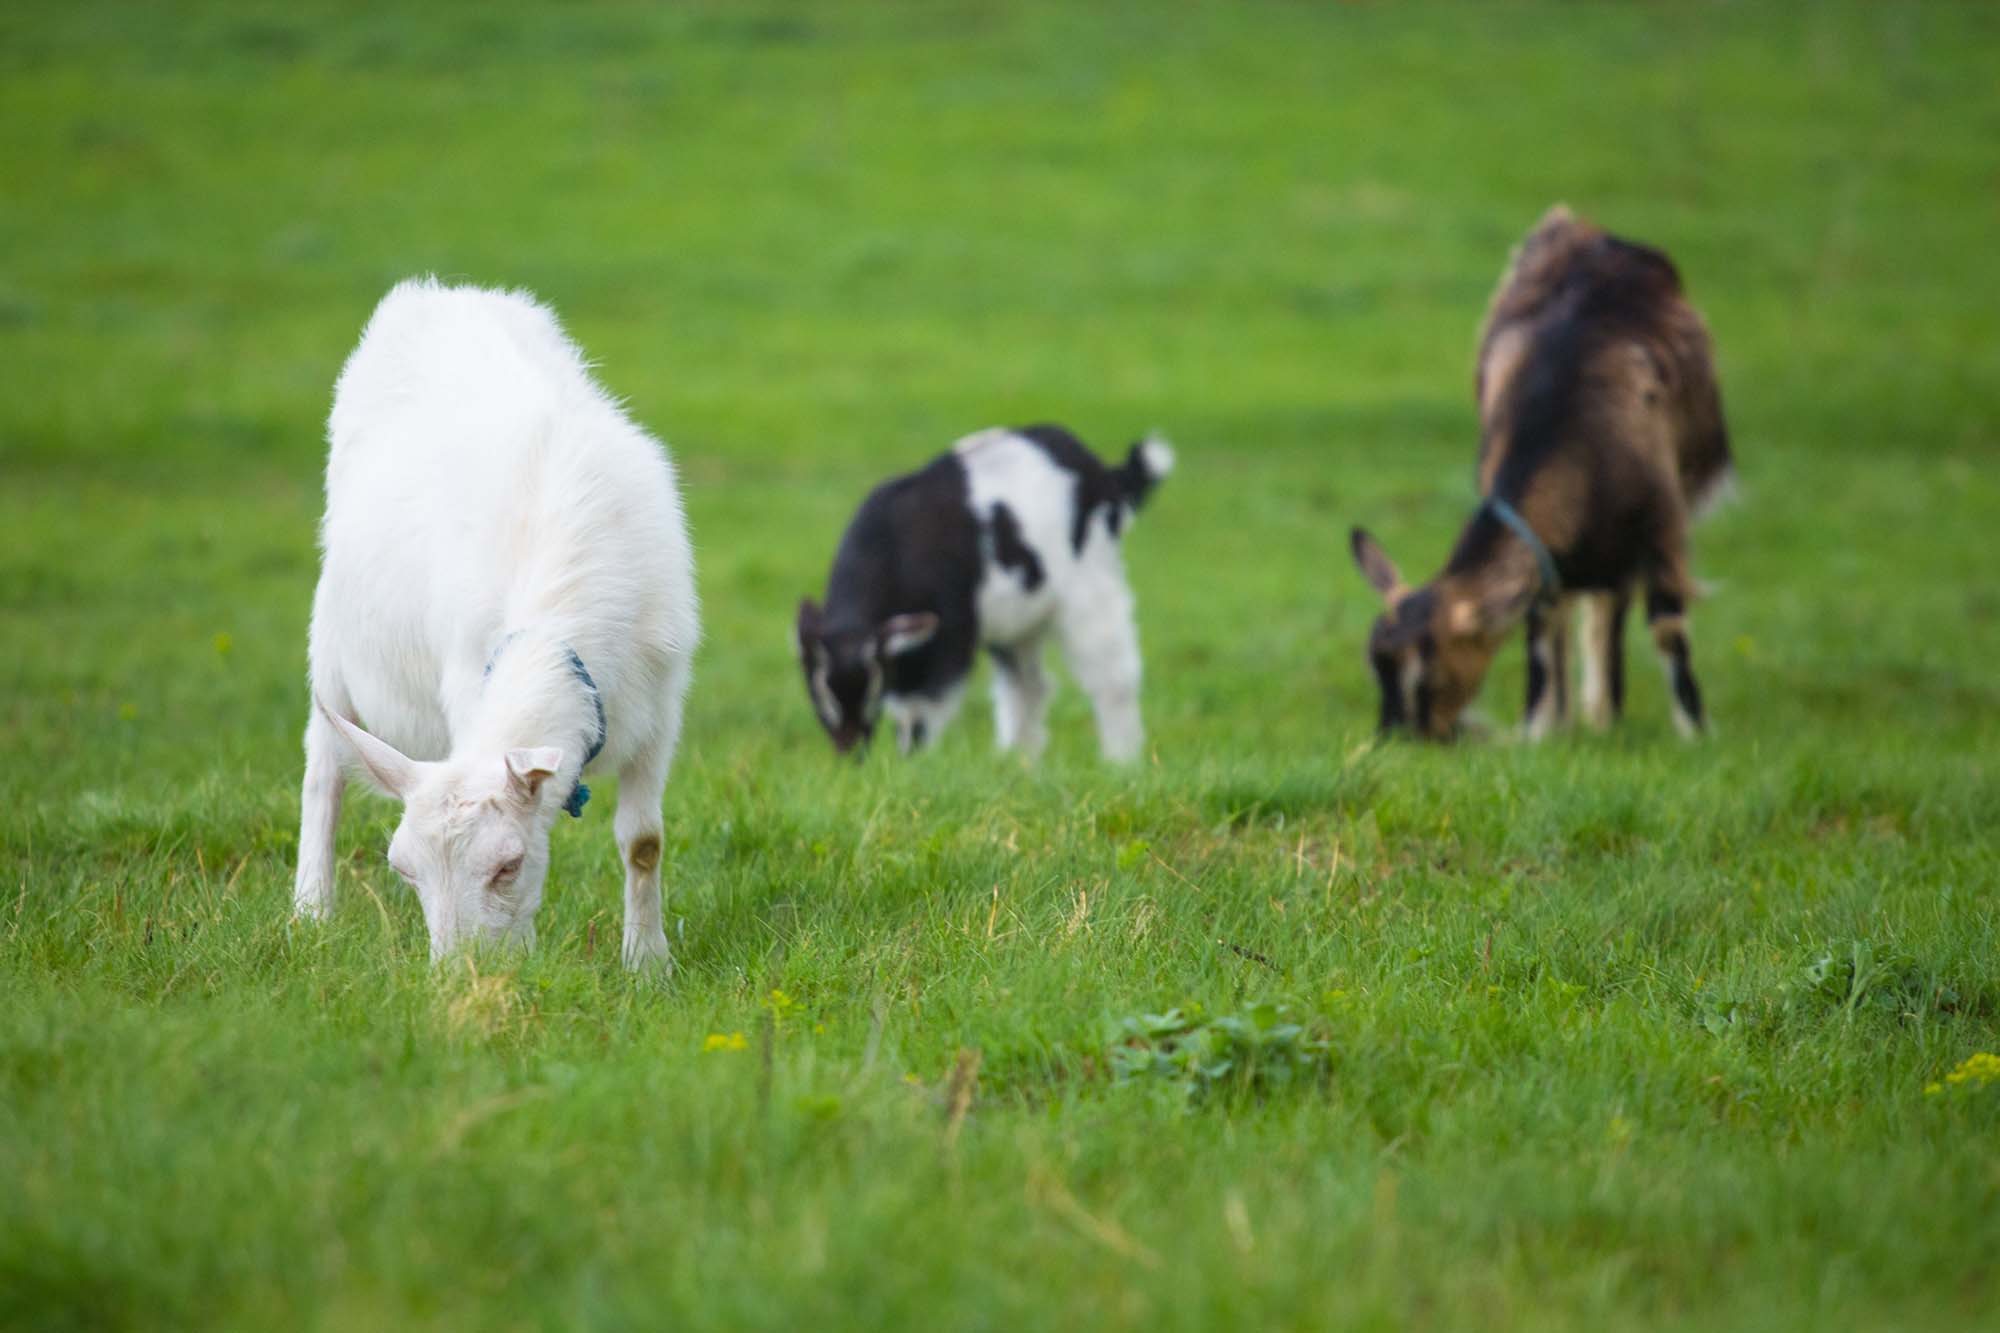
(1388, 675)
(1685, 688)
(1010, 551)
(1538, 670)
(1660, 604)
(1114, 490)
(1614, 655)
(912, 546)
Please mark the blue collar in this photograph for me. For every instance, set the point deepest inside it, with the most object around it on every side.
(579, 793)
(1507, 514)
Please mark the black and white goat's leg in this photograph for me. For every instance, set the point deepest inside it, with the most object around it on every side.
(1548, 668)
(1020, 696)
(1604, 657)
(1666, 616)
(641, 840)
(319, 817)
(1100, 642)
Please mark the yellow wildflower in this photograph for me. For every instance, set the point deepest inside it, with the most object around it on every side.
(725, 1041)
(1975, 1070)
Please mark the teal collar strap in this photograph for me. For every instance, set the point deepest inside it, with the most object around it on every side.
(1507, 514)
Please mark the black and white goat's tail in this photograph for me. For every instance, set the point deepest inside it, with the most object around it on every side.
(1144, 468)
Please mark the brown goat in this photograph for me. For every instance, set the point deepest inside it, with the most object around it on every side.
(1601, 437)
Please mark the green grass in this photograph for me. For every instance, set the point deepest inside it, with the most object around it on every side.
(1608, 1033)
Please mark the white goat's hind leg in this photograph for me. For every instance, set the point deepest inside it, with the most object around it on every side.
(319, 819)
(1101, 644)
(1020, 697)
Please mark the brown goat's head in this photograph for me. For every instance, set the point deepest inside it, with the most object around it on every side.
(1431, 645)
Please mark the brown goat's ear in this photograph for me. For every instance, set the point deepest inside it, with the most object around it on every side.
(1376, 566)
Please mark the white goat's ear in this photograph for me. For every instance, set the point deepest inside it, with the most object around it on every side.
(1376, 565)
(528, 769)
(380, 763)
(906, 633)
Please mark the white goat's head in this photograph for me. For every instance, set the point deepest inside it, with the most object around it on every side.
(474, 839)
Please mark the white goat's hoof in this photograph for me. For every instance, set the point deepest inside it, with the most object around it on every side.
(649, 954)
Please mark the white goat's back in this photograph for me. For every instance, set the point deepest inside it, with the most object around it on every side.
(478, 481)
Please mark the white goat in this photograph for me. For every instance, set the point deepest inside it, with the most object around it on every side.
(506, 597)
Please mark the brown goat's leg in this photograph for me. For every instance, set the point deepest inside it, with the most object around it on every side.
(1666, 615)
(1604, 657)
(1559, 653)
(1548, 691)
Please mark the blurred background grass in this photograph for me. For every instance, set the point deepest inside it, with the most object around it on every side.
(811, 245)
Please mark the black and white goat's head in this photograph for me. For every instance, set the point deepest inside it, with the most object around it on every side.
(845, 667)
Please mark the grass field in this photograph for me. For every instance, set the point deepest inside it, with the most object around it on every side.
(1606, 1033)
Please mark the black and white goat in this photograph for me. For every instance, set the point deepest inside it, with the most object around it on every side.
(1601, 440)
(1012, 536)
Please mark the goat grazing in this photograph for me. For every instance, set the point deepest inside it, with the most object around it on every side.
(1011, 535)
(506, 596)
(1601, 439)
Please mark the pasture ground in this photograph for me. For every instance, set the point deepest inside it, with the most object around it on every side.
(1609, 1033)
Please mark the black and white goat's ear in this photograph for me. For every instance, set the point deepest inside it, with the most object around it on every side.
(907, 633)
(806, 628)
(1376, 566)
(370, 758)
(529, 768)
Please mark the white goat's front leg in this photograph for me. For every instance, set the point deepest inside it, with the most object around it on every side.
(319, 819)
(1101, 644)
(641, 839)
(1020, 697)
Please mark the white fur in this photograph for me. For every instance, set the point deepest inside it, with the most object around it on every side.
(1158, 455)
(1083, 598)
(488, 503)
(1599, 627)
(1722, 489)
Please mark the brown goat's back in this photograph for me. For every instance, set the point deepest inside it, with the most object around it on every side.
(1588, 334)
